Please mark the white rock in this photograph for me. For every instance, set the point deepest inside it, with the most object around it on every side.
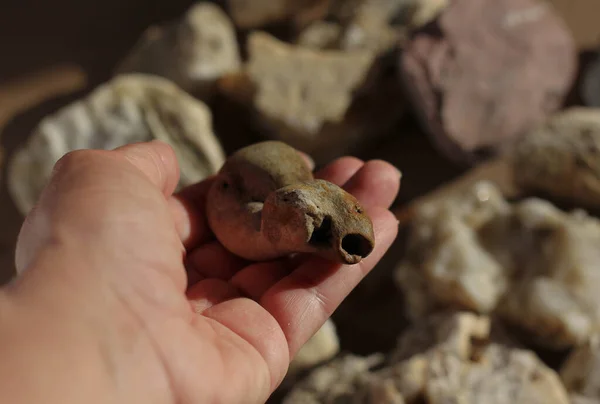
(193, 52)
(128, 109)
(534, 265)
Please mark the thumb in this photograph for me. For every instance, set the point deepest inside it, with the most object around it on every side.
(95, 197)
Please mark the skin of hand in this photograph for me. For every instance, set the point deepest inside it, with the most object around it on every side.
(124, 296)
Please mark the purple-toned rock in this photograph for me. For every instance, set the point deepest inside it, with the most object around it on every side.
(486, 71)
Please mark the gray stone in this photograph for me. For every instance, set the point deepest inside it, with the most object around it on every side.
(128, 109)
(562, 157)
(532, 264)
(487, 71)
(193, 52)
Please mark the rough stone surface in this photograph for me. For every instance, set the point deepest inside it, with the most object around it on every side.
(532, 264)
(128, 109)
(324, 345)
(486, 71)
(562, 157)
(448, 358)
(258, 13)
(581, 372)
(193, 52)
(340, 381)
(324, 103)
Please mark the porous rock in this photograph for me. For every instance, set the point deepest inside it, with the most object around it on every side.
(562, 157)
(324, 103)
(529, 262)
(447, 358)
(129, 109)
(323, 346)
(193, 52)
(486, 71)
(258, 13)
(344, 380)
(581, 371)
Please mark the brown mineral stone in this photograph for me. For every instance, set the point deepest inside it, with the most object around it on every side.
(562, 157)
(486, 71)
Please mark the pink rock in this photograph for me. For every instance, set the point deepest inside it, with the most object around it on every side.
(486, 71)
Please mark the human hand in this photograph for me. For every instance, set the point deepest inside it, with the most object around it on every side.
(125, 296)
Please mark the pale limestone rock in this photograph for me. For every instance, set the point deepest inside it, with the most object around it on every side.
(531, 263)
(324, 345)
(453, 358)
(325, 103)
(447, 358)
(562, 157)
(343, 380)
(193, 52)
(128, 109)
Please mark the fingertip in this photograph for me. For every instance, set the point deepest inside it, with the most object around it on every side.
(157, 160)
(377, 183)
(341, 170)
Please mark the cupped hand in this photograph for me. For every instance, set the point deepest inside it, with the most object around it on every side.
(153, 308)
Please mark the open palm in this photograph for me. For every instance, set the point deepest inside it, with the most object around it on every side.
(208, 326)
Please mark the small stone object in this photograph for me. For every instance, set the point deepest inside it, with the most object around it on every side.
(193, 52)
(562, 157)
(532, 264)
(324, 103)
(259, 13)
(265, 204)
(487, 71)
(324, 345)
(128, 109)
(581, 371)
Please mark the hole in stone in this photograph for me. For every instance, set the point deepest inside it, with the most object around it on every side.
(355, 244)
(321, 236)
